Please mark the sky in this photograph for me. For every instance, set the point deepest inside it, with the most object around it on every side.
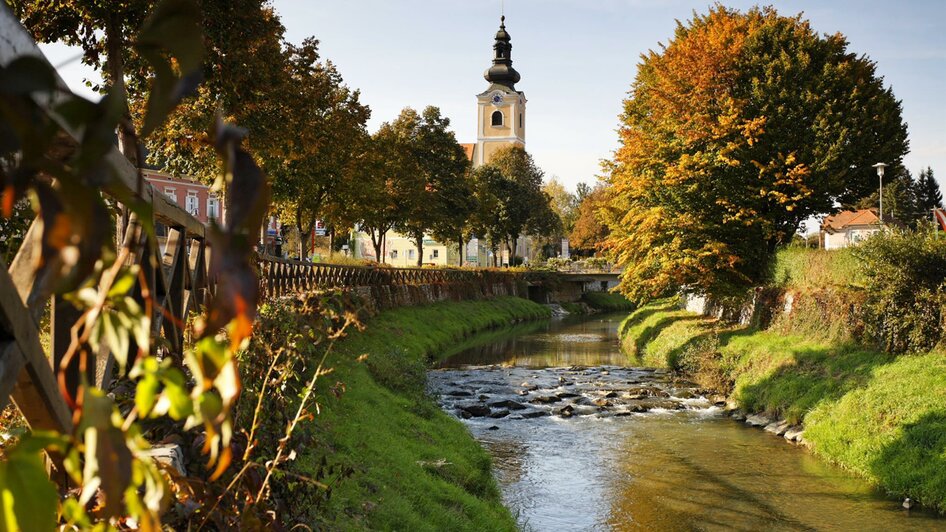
(578, 58)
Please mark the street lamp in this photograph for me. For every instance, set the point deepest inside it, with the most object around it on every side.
(880, 173)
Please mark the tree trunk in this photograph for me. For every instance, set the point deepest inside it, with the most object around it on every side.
(115, 64)
(331, 242)
(509, 249)
(376, 242)
(462, 251)
(420, 249)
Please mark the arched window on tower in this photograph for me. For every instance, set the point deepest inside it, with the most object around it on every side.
(497, 119)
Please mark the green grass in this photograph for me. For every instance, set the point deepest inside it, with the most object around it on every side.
(412, 467)
(879, 415)
(607, 301)
(816, 268)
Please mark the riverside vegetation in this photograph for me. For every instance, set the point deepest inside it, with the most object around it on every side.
(380, 454)
(845, 343)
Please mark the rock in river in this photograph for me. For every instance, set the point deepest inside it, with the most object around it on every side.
(475, 410)
(507, 403)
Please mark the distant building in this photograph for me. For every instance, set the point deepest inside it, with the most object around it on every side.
(847, 228)
(195, 198)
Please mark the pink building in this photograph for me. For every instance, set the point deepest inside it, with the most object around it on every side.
(195, 198)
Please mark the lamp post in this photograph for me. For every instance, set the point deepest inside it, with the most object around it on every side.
(880, 173)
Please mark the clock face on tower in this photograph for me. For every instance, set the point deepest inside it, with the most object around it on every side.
(497, 98)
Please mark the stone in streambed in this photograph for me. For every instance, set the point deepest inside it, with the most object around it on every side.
(778, 428)
(475, 410)
(758, 420)
(546, 399)
(566, 411)
(534, 414)
(794, 433)
(506, 403)
(459, 393)
(567, 395)
(499, 414)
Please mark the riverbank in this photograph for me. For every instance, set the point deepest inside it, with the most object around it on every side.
(880, 415)
(390, 457)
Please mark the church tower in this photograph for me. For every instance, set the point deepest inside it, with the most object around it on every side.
(501, 109)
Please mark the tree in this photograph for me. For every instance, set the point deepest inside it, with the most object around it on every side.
(737, 130)
(389, 180)
(524, 203)
(492, 191)
(589, 232)
(442, 202)
(900, 200)
(563, 203)
(928, 194)
(329, 123)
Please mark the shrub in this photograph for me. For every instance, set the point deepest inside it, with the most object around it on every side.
(905, 289)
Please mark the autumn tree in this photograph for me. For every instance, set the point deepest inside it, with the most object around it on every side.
(589, 231)
(738, 129)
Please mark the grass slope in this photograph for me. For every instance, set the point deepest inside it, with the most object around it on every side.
(879, 415)
(413, 466)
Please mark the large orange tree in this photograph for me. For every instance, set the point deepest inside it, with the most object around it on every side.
(734, 132)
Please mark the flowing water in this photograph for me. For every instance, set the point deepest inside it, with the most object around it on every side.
(580, 441)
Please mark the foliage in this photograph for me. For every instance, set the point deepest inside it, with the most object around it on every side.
(608, 301)
(589, 231)
(511, 201)
(117, 483)
(905, 289)
(928, 194)
(737, 130)
(564, 204)
(804, 268)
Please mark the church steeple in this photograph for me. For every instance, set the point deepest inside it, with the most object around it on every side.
(502, 73)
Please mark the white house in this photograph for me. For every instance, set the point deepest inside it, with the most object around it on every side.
(847, 228)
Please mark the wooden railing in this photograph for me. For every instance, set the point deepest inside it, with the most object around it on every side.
(283, 276)
(176, 277)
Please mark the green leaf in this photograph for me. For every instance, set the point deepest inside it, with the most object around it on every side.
(27, 74)
(27, 497)
(124, 283)
(116, 337)
(146, 394)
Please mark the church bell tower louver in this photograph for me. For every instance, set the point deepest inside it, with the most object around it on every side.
(501, 109)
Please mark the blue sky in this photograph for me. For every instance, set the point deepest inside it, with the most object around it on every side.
(578, 57)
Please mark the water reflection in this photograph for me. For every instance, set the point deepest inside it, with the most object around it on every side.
(664, 469)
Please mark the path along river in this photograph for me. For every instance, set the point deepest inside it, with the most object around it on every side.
(581, 441)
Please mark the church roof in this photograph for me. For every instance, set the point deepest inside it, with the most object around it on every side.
(468, 148)
(501, 74)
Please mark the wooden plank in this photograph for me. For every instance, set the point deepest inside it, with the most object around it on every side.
(35, 390)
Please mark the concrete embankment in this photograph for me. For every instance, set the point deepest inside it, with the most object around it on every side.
(791, 364)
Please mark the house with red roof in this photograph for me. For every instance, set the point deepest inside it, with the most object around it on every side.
(847, 228)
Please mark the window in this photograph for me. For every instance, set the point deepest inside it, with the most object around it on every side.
(393, 253)
(497, 119)
(520, 120)
(191, 203)
(171, 193)
(410, 254)
(435, 254)
(213, 206)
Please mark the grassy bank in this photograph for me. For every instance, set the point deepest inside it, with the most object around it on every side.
(393, 459)
(879, 415)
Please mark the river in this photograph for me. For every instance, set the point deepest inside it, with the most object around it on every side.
(582, 441)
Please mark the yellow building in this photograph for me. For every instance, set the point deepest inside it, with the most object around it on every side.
(501, 115)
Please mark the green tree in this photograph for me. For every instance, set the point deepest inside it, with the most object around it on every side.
(329, 123)
(441, 202)
(928, 194)
(524, 206)
(737, 130)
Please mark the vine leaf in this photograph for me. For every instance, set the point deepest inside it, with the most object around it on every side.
(27, 497)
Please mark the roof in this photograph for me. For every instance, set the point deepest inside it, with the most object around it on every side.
(844, 219)
(468, 148)
(164, 176)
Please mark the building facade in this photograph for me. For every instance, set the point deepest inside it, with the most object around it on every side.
(847, 228)
(195, 198)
